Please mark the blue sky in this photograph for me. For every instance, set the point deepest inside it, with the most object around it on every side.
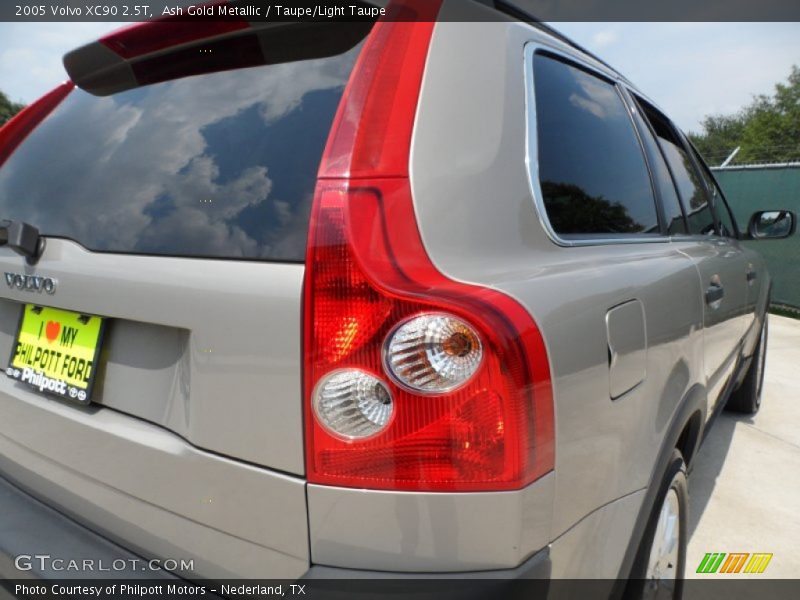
(689, 69)
(695, 69)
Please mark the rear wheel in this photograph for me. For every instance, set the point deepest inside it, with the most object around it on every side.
(747, 399)
(658, 569)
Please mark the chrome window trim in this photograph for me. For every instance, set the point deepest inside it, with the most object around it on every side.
(532, 151)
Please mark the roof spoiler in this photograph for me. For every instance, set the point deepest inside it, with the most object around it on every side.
(170, 48)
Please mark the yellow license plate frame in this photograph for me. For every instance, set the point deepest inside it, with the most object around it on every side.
(56, 351)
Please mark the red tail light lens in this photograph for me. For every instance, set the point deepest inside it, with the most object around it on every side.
(372, 131)
(367, 272)
(17, 129)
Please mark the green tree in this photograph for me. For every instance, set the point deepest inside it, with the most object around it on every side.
(7, 108)
(767, 130)
(721, 134)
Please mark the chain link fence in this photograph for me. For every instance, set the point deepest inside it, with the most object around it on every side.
(749, 188)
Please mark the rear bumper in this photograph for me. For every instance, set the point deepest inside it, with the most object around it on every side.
(148, 490)
(536, 567)
(530, 579)
(37, 542)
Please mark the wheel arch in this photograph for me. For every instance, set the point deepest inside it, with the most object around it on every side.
(685, 434)
(689, 438)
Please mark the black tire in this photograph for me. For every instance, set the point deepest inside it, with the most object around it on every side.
(640, 586)
(747, 398)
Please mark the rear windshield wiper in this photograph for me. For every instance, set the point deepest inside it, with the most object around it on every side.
(23, 239)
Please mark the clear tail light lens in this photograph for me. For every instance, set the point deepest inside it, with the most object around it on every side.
(352, 404)
(433, 353)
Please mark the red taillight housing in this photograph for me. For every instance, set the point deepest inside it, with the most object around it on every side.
(17, 129)
(367, 271)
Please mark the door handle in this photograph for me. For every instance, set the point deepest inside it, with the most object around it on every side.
(714, 295)
(752, 275)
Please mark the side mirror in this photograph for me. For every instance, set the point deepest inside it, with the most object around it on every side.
(772, 225)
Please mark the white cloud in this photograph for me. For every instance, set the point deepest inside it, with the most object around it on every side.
(604, 38)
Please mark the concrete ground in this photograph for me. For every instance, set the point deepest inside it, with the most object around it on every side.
(745, 486)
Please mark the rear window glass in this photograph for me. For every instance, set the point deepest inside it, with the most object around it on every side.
(220, 165)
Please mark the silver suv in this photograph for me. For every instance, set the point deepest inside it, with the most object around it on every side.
(327, 299)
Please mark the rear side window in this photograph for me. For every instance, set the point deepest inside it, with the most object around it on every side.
(592, 171)
(670, 203)
(726, 222)
(690, 187)
(221, 165)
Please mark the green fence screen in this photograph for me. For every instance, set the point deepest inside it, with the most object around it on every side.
(765, 188)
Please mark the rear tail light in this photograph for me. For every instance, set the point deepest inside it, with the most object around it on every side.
(352, 404)
(17, 129)
(433, 353)
(413, 381)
